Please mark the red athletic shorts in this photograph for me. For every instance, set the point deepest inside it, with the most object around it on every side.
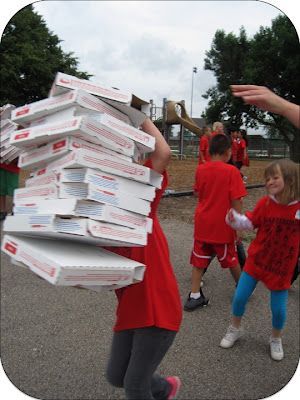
(203, 253)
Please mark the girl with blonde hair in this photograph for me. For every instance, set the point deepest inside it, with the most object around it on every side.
(273, 253)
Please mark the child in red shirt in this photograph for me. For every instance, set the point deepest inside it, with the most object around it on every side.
(204, 155)
(219, 186)
(149, 313)
(241, 150)
(273, 253)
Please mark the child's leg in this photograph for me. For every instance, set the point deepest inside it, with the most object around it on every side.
(241, 252)
(119, 357)
(236, 273)
(148, 349)
(279, 310)
(245, 288)
(242, 293)
(134, 358)
(197, 274)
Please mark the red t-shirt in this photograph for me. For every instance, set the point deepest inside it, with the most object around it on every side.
(234, 149)
(12, 167)
(273, 254)
(156, 300)
(241, 145)
(204, 148)
(217, 184)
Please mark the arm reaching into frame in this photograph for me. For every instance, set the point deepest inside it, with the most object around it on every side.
(265, 99)
(161, 155)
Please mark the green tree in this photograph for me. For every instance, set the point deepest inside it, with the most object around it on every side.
(30, 56)
(271, 58)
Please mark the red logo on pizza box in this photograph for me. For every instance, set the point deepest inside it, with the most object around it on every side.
(41, 171)
(59, 145)
(23, 111)
(22, 135)
(63, 80)
(9, 247)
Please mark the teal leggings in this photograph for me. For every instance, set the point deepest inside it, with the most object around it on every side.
(278, 300)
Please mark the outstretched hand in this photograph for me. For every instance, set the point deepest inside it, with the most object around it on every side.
(259, 96)
(266, 100)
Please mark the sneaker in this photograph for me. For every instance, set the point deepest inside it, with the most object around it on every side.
(232, 335)
(276, 348)
(192, 304)
(175, 384)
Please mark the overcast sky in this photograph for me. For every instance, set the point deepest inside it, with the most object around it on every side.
(150, 47)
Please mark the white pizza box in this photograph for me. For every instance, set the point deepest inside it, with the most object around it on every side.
(144, 141)
(108, 182)
(84, 208)
(63, 82)
(45, 223)
(84, 158)
(48, 191)
(8, 152)
(41, 179)
(6, 127)
(79, 98)
(4, 142)
(83, 127)
(119, 199)
(5, 111)
(72, 228)
(11, 154)
(41, 156)
(58, 116)
(70, 264)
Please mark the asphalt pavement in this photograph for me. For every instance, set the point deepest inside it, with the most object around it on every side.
(55, 341)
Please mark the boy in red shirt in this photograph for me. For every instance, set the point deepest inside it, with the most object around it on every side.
(241, 150)
(204, 155)
(220, 187)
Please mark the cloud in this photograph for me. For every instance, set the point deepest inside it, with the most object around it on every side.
(150, 47)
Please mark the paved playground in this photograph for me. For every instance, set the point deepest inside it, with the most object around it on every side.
(55, 340)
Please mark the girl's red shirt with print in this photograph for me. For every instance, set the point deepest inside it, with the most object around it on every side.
(273, 254)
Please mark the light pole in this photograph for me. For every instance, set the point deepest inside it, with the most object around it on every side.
(192, 93)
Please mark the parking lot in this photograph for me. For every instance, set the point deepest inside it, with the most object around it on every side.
(55, 340)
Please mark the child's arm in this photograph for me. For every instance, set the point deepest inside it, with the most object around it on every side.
(161, 155)
(238, 221)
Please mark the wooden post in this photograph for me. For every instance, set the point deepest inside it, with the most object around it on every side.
(181, 137)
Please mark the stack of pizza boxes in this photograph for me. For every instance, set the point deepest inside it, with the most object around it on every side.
(86, 189)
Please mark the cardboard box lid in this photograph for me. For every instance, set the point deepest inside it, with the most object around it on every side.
(77, 99)
(84, 208)
(86, 128)
(83, 158)
(74, 228)
(109, 181)
(63, 82)
(68, 263)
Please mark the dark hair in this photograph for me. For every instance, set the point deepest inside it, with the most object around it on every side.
(219, 144)
(244, 136)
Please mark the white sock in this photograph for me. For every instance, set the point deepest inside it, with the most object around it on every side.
(195, 295)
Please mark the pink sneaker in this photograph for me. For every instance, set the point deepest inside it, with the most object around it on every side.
(175, 383)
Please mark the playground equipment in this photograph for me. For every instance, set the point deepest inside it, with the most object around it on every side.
(174, 113)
